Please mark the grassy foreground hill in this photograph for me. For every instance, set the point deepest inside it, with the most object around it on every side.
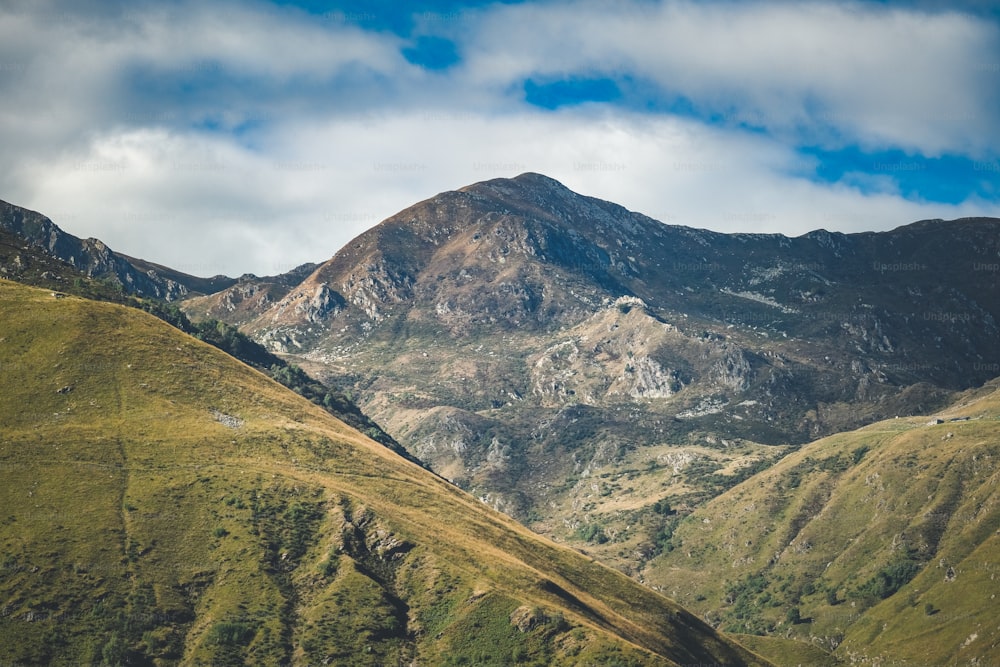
(30, 265)
(881, 545)
(165, 504)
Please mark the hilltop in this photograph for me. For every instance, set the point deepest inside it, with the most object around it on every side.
(165, 504)
(31, 264)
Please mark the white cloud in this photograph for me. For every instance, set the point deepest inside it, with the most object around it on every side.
(886, 77)
(258, 41)
(66, 78)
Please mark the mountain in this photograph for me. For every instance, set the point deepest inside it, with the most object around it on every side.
(880, 545)
(165, 504)
(95, 259)
(574, 364)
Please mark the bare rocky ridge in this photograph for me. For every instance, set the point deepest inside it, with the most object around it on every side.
(549, 351)
(250, 295)
(95, 259)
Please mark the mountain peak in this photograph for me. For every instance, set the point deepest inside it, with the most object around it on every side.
(535, 179)
(529, 187)
(528, 179)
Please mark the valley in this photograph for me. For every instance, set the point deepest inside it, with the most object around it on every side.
(166, 504)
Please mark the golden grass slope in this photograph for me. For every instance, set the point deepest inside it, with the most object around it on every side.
(881, 544)
(161, 503)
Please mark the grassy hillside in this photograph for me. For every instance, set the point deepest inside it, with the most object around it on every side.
(164, 504)
(31, 266)
(880, 544)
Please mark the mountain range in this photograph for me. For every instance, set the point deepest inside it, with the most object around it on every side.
(572, 362)
(631, 388)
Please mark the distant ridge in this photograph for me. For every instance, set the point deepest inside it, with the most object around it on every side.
(94, 258)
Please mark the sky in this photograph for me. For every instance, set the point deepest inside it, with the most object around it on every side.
(250, 137)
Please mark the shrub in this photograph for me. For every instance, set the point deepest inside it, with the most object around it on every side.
(662, 507)
(888, 580)
(591, 532)
(231, 633)
(113, 651)
(663, 538)
(328, 568)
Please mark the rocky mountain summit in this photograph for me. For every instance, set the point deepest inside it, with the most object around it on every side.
(572, 362)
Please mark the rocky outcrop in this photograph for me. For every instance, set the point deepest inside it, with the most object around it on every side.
(733, 371)
(650, 380)
(324, 303)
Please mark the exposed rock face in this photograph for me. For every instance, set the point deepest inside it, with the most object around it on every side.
(375, 288)
(650, 380)
(558, 328)
(733, 370)
(251, 295)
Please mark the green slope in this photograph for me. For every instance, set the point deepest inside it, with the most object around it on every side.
(162, 503)
(30, 265)
(882, 543)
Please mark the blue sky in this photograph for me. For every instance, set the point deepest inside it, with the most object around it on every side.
(252, 136)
